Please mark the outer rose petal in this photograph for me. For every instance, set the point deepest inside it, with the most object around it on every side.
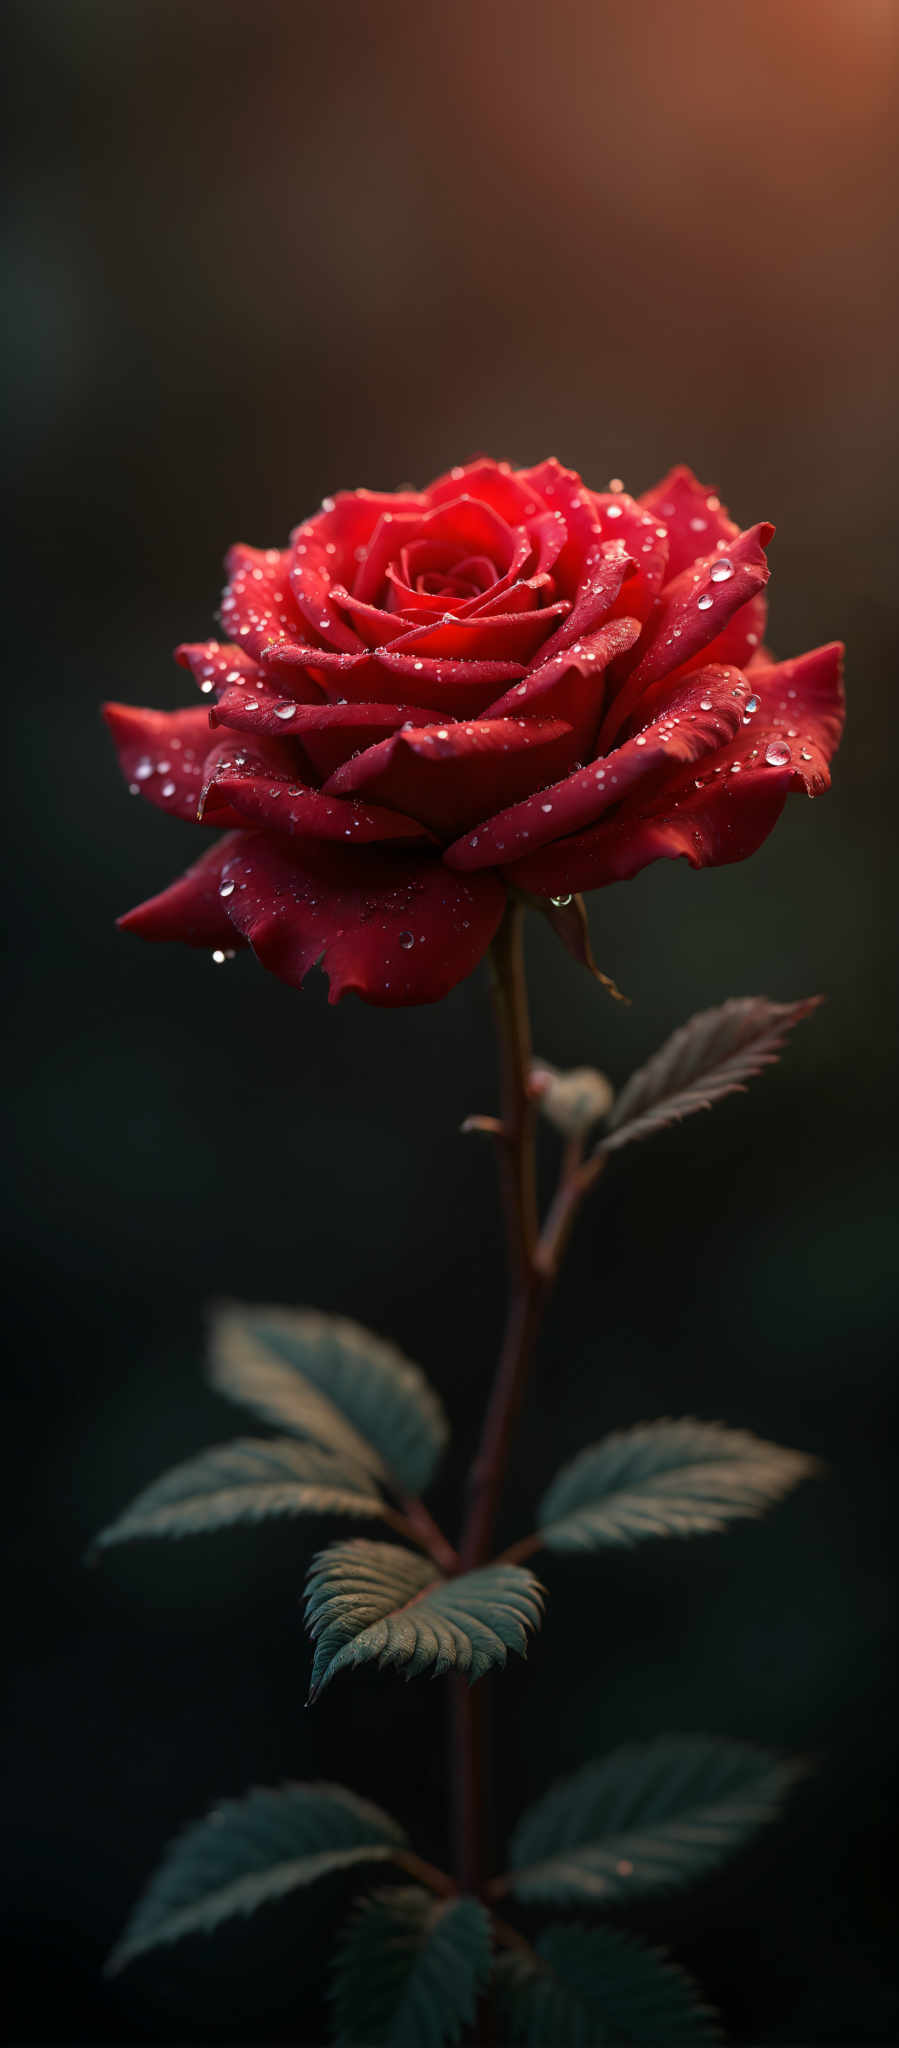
(704, 715)
(162, 755)
(396, 931)
(281, 804)
(691, 612)
(257, 605)
(694, 515)
(328, 733)
(740, 638)
(216, 666)
(192, 909)
(452, 775)
(722, 815)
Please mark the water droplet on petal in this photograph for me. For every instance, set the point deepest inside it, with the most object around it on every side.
(168, 789)
(285, 711)
(560, 901)
(777, 754)
(227, 889)
(705, 703)
(722, 571)
(406, 941)
(752, 703)
(706, 601)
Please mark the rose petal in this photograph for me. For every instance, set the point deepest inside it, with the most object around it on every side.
(257, 605)
(327, 733)
(191, 909)
(690, 613)
(509, 492)
(571, 685)
(453, 775)
(701, 719)
(801, 707)
(312, 577)
(563, 491)
(605, 572)
(395, 930)
(279, 803)
(162, 755)
(345, 524)
(458, 689)
(725, 812)
(693, 514)
(622, 519)
(215, 665)
(508, 636)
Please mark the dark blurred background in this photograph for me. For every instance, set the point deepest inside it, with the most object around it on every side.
(260, 252)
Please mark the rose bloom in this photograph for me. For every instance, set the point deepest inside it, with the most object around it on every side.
(427, 698)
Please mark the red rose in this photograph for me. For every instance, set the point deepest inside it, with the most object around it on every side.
(504, 679)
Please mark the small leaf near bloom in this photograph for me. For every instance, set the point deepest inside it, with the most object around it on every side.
(711, 1056)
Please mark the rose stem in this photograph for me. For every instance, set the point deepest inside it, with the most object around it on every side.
(533, 1259)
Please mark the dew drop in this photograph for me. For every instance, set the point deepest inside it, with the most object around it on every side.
(143, 770)
(804, 754)
(285, 711)
(721, 571)
(546, 807)
(168, 789)
(777, 754)
(752, 703)
(227, 889)
(406, 941)
(641, 739)
(560, 902)
(706, 601)
(705, 703)
(222, 954)
(207, 688)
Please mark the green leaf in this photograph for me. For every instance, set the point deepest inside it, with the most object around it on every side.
(375, 1600)
(408, 1970)
(253, 1849)
(245, 1482)
(665, 1479)
(647, 1818)
(325, 1378)
(585, 1986)
(714, 1055)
